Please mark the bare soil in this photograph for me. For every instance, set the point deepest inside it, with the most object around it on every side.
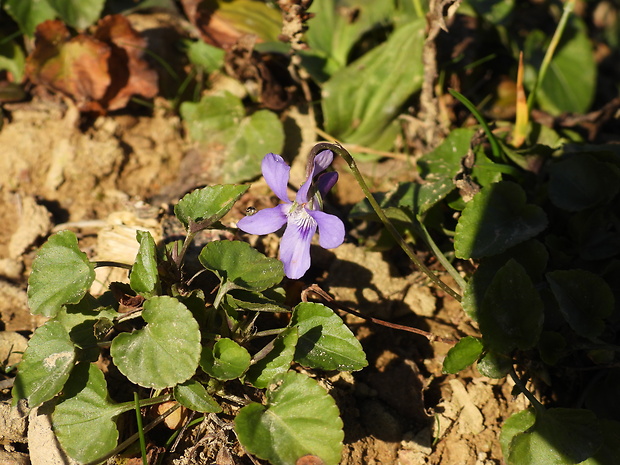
(122, 172)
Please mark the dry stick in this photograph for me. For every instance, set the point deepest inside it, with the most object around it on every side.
(321, 293)
(431, 131)
(362, 149)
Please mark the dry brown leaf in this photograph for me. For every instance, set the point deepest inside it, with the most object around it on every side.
(129, 72)
(100, 72)
(77, 67)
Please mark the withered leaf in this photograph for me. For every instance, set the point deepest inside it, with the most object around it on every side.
(77, 67)
(99, 72)
(130, 73)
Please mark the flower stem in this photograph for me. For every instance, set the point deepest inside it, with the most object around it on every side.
(186, 243)
(440, 256)
(340, 150)
(221, 292)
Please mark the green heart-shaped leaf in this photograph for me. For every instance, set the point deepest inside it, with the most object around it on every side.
(516, 424)
(532, 255)
(494, 365)
(609, 451)
(300, 418)
(463, 354)
(205, 206)
(276, 361)
(582, 181)
(204, 56)
(61, 274)
(219, 121)
(194, 396)
(227, 360)
(163, 353)
(324, 340)
(496, 219)
(560, 436)
(257, 134)
(46, 365)
(85, 420)
(144, 278)
(584, 299)
(511, 314)
(240, 266)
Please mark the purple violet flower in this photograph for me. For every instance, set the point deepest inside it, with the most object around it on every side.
(302, 216)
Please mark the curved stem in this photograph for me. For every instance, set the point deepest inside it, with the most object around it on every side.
(186, 243)
(495, 147)
(440, 256)
(340, 150)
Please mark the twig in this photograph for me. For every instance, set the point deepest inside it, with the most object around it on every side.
(431, 131)
(80, 225)
(324, 295)
(183, 430)
(362, 149)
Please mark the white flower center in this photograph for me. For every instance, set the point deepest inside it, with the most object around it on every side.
(298, 214)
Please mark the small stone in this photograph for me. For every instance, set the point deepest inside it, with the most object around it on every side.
(470, 419)
(11, 268)
(34, 222)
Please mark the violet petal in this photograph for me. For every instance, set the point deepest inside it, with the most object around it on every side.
(264, 221)
(295, 248)
(331, 229)
(276, 173)
(325, 182)
(322, 160)
(319, 164)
